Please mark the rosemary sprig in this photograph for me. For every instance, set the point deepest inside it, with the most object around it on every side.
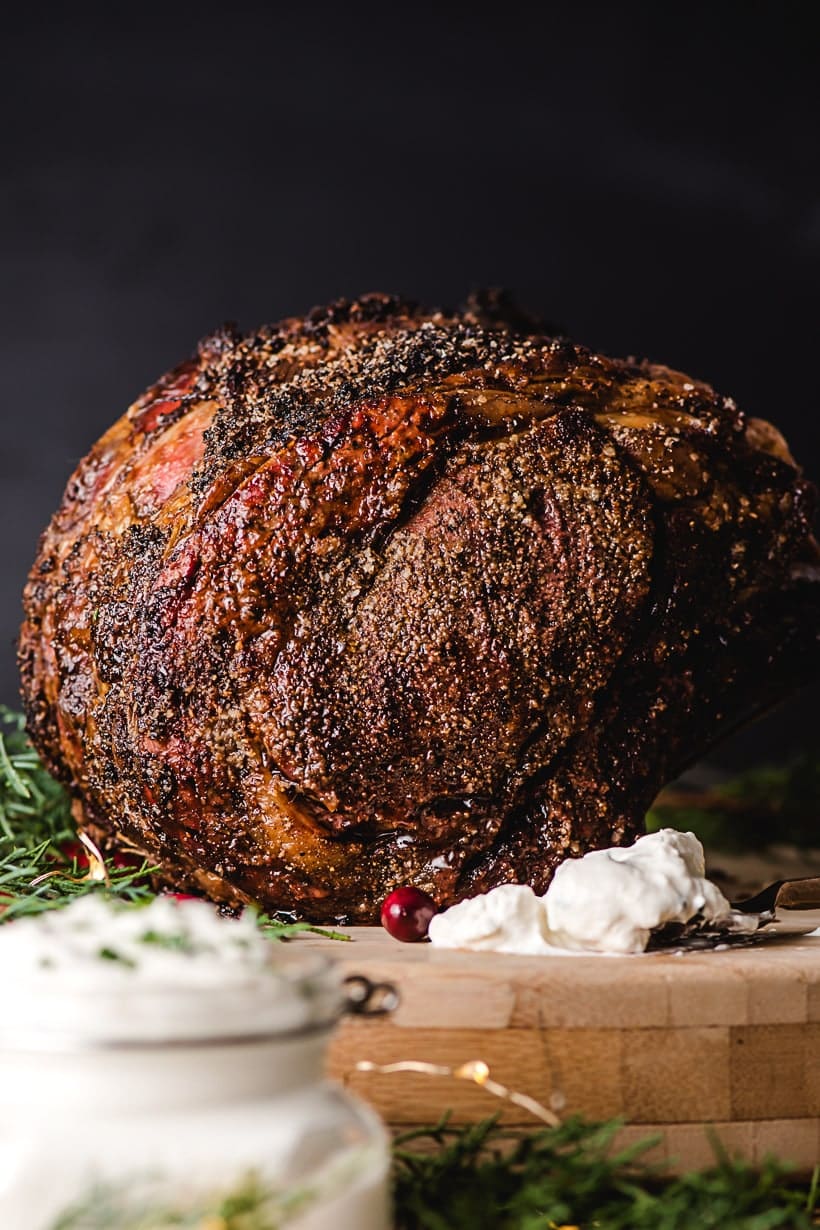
(284, 927)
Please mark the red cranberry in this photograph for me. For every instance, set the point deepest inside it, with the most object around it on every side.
(75, 850)
(406, 914)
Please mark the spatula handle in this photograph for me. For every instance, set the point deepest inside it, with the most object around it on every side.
(799, 895)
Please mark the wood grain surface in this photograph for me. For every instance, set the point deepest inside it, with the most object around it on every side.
(671, 1043)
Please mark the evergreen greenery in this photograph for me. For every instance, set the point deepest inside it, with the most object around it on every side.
(571, 1178)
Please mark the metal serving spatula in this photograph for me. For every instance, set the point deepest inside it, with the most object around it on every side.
(750, 921)
(802, 894)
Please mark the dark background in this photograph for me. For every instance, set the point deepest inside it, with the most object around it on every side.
(646, 175)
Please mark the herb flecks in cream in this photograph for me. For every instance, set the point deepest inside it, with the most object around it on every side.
(171, 968)
(166, 941)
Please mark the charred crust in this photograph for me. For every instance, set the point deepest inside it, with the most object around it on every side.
(386, 595)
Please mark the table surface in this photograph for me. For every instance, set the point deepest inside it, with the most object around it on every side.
(672, 1044)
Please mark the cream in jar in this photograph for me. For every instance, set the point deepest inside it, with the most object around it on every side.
(164, 1058)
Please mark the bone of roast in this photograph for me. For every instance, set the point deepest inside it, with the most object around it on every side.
(382, 596)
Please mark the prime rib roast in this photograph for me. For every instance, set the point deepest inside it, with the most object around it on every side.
(383, 596)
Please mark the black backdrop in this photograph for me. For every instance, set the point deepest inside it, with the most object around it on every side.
(646, 175)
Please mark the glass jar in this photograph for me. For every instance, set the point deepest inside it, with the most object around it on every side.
(142, 1106)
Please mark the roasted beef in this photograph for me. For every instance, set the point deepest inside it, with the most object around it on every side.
(382, 597)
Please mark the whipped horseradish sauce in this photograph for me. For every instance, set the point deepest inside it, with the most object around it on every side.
(169, 969)
(163, 943)
(157, 1059)
(608, 901)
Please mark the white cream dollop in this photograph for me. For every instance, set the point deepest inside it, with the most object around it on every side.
(509, 918)
(608, 901)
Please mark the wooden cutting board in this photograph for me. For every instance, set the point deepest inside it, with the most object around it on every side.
(669, 1042)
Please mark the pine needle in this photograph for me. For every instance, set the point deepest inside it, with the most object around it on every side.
(487, 1177)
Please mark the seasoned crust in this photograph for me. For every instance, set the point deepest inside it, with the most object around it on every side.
(381, 596)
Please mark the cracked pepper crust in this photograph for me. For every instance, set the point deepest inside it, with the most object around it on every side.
(382, 596)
